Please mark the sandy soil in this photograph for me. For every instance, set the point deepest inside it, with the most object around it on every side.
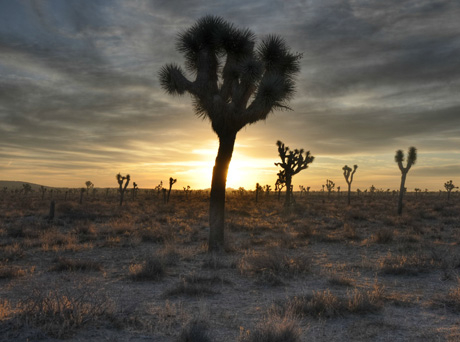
(141, 272)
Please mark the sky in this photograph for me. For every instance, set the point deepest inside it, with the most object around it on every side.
(80, 97)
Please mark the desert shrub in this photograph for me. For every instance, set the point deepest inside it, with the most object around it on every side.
(340, 280)
(12, 252)
(384, 235)
(10, 272)
(195, 331)
(452, 300)
(282, 330)
(411, 264)
(59, 312)
(275, 262)
(151, 269)
(325, 304)
(195, 286)
(65, 264)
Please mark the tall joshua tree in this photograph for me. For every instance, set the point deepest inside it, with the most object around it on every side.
(399, 158)
(122, 189)
(235, 84)
(292, 162)
(171, 182)
(348, 174)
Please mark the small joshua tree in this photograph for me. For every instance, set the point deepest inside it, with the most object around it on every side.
(187, 191)
(330, 185)
(43, 191)
(89, 185)
(267, 189)
(135, 190)
(449, 187)
(280, 183)
(27, 188)
(259, 188)
(122, 188)
(411, 159)
(292, 162)
(171, 182)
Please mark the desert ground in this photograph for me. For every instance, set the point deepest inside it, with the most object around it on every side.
(321, 271)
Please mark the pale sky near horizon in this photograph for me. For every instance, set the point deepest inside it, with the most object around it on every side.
(80, 97)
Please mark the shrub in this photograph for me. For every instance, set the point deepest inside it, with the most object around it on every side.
(151, 269)
(195, 331)
(274, 331)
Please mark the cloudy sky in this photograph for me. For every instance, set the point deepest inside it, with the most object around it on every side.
(80, 97)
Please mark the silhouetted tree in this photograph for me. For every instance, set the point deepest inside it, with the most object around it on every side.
(280, 182)
(135, 190)
(292, 162)
(259, 189)
(122, 189)
(399, 158)
(449, 187)
(27, 188)
(171, 182)
(330, 185)
(89, 185)
(348, 174)
(235, 84)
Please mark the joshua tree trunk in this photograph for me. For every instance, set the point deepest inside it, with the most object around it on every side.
(349, 193)
(217, 202)
(401, 193)
(287, 203)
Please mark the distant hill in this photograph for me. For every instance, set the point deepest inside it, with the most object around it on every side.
(12, 185)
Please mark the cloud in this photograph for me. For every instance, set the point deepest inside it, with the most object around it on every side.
(79, 79)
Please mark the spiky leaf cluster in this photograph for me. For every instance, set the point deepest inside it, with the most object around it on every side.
(235, 83)
(294, 161)
(411, 159)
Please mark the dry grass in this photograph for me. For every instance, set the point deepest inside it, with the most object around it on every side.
(152, 258)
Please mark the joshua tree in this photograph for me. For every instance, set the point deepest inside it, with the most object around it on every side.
(135, 189)
(82, 191)
(171, 182)
(89, 185)
(292, 163)
(449, 187)
(330, 185)
(259, 188)
(26, 188)
(122, 189)
(43, 191)
(399, 158)
(280, 182)
(187, 191)
(267, 189)
(235, 84)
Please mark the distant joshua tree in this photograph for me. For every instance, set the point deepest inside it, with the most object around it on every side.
(27, 188)
(411, 159)
(449, 187)
(43, 191)
(187, 191)
(292, 162)
(122, 189)
(89, 185)
(235, 85)
(171, 182)
(135, 190)
(330, 185)
(259, 189)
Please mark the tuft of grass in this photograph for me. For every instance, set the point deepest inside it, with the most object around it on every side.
(283, 330)
(72, 265)
(324, 304)
(59, 312)
(384, 236)
(274, 263)
(452, 300)
(412, 264)
(151, 269)
(195, 331)
(195, 286)
(10, 272)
